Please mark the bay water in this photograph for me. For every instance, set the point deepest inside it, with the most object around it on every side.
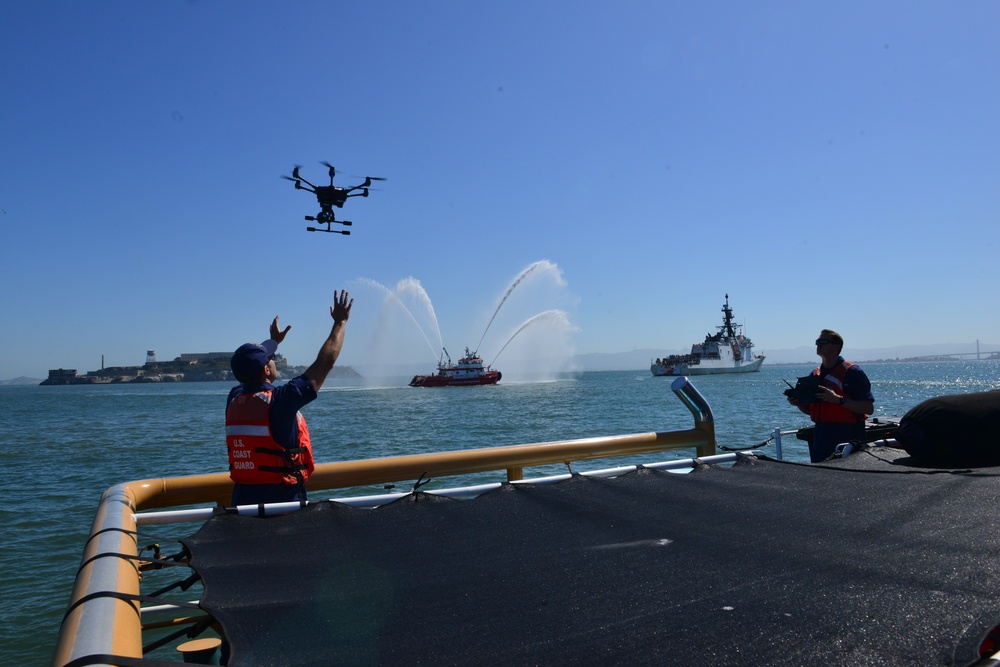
(65, 445)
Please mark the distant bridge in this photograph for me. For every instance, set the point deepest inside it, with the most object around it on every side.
(977, 355)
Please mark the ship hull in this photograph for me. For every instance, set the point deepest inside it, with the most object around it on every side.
(660, 370)
(492, 377)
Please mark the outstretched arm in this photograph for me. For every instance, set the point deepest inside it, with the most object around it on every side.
(278, 335)
(328, 353)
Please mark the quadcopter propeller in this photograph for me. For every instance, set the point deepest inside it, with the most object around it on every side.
(368, 182)
(298, 180)
(333, 170)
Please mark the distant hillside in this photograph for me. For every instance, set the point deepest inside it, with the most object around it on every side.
(20, 380)
(619, 361)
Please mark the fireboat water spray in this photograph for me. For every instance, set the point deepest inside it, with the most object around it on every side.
(544, 265)
(421, 311)
(556, 316)
(412, 287)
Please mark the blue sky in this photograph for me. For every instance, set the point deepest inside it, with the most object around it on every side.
(825, 164)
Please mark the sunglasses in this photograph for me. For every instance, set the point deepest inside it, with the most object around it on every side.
(823, 341)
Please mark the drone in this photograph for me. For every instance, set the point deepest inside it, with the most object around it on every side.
(330, 196)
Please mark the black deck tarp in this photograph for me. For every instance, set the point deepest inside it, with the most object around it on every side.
(763, 563)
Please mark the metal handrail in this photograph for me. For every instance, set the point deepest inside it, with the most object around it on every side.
(101, 622)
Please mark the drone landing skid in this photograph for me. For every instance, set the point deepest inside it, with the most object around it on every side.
(328, 220)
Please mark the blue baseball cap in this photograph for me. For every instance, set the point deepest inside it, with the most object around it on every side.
(250, 359)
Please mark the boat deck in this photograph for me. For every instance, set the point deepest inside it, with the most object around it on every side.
(863, 562)
(867, 560)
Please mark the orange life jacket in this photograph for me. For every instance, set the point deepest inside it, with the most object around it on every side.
(831, 413)
(254, 456)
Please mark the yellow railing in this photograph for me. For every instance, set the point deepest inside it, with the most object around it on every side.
(100, 621)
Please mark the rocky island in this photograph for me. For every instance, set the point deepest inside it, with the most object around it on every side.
(199, 367)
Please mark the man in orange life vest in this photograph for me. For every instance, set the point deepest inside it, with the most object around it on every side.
(843, 400)
(270, 455)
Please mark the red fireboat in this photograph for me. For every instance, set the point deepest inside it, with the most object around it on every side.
(469, 371)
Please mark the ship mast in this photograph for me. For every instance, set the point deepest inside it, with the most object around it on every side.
(727, 320)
